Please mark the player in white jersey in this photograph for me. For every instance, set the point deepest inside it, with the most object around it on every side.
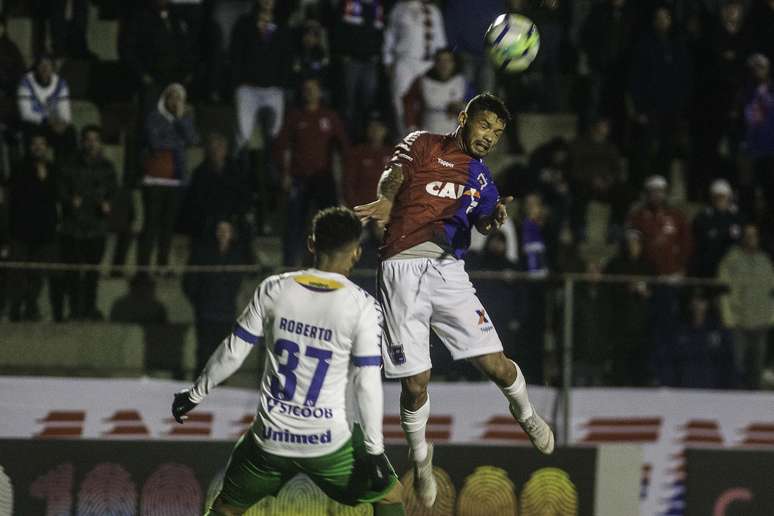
(321, 332)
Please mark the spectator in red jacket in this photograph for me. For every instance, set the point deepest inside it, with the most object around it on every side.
(305, 148)
(364, 164)
(667, 234)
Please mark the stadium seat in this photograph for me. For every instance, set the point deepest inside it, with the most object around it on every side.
(194, 157)
(115, 154)
(77, 73)
(85, 113)
(536, 129)
(597, 220)
(20, 32)
(118, 120)
(102, 37)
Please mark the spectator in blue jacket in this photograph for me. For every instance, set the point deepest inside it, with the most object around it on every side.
(758, 112)
(169, 129)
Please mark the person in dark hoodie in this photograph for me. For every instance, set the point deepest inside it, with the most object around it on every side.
(33, 220)
(213, 294)
(169, 129)
(628, 330)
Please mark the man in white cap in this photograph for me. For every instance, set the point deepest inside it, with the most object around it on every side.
(667, 238)
(715, 229)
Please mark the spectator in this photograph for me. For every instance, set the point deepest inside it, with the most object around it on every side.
(260, 51)
(553, 18)
(44, 106)
(213, 294)
(758, 106)
(218, 192)
(356, 28)
(364, 164)
(762, 20)
(87, 187)
(311, 57)
(414, 32)
(748, 307)
(700, 351)
(715, 229)
(493, 257)
(535, 233)
(659, 86)
(464, 27)
(435, 99)
(667, 239)
(720, 70)
(33, 217)
(549, 175)
(169, 129)
(140, 304)
(67, 21)
(597, 174)
(158, 47)
(628, 329)
(11, 63)
(606, 40)
(305, 148)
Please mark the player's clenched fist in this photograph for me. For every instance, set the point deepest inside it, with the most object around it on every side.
(182, 405)
(379, 471)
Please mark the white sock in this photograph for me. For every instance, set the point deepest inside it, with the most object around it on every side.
(517, 396)
(414, 425)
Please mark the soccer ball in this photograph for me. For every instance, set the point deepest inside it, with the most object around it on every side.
(513, 42)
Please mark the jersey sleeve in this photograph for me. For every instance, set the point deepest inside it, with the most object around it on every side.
(367, 378)
(249, 325)
(489, 197)
(410, 153)
(233, 351)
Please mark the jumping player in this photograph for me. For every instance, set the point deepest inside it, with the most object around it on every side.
(435, 189)
(321, 332)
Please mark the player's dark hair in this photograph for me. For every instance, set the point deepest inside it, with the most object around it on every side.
(91, 128)
(334, 228)
(488, 102)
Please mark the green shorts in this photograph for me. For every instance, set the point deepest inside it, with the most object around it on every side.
(252, 474)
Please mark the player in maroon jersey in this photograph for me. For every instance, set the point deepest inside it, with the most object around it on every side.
(435, 190)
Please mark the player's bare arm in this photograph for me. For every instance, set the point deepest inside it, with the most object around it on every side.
(379, 210)
(486, 225)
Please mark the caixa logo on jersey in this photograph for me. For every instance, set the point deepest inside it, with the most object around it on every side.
(450, 190)
(290, 409)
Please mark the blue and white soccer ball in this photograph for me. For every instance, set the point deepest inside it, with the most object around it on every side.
(513, 42)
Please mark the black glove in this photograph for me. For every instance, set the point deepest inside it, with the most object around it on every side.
(182, 405)
(380, 471)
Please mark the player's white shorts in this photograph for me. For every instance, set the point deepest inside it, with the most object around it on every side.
(421, 293)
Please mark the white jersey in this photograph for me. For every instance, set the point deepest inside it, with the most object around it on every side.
(320, 331)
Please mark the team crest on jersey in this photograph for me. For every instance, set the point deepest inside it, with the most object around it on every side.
(482, 180)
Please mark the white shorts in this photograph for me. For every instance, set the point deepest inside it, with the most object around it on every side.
(423, 293)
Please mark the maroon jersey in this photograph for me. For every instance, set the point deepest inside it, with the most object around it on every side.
(444, 193)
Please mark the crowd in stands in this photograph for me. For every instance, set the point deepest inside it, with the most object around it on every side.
(297, 103)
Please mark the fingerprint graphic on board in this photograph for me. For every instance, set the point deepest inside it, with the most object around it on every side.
(444, 502)
(6, 494)
(172, 490)
(337, 509)
(300, 496)
(549, 491)
(487, 491)
(107, 489)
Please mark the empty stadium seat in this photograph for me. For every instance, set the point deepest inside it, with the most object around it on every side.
(20, 32)
(102, 37)
(536, 129)
(115, 154)
(85, 113)
(194, 157)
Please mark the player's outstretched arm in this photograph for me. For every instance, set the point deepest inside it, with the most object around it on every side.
(489, 223)
(224, 362)
(380, 209)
